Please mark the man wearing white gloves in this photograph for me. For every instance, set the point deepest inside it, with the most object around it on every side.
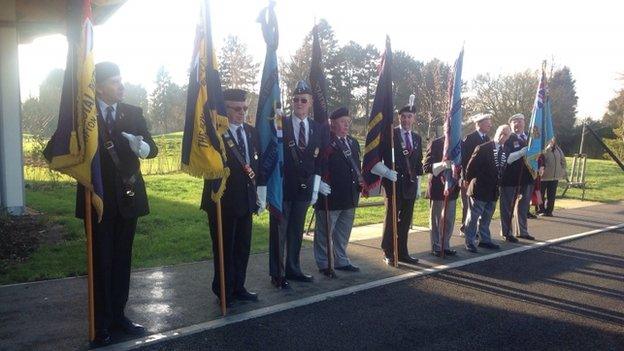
(516, 185)
(239, 200)
(408, 165)
(434, 165)
(123, 141)
(302, 183)
(342, 170)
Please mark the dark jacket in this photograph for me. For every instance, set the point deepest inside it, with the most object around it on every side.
(128, 119)
(339, 173)
(482, 173)
(435, 189)
(516, 173)
(239, 197)
(299, 173)
(407, 181)
(469, 143)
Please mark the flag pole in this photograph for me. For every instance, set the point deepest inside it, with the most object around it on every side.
(443, 219)
(88, 221)
(221, 260)
(395, 239)
(330, 244)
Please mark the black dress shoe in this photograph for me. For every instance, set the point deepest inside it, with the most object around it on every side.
(349, 268)
(526, 236)
(450, 252)
(102, 338)
(511, 239)
(408, 259)
(328, 272)
(388, 260)
(436, 253)
(280, 283)
(471, 248)
(306, 278)
(246, 296)
(129, 327)
(491, 246)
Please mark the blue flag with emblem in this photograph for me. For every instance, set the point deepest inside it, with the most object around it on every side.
(269, 116)
(541, 128)
(453, 126)
(379, 123)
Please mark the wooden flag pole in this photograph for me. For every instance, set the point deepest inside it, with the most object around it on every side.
(89, 232)
(221, 260)
(395, 238)
(330, 243)
(443, 226)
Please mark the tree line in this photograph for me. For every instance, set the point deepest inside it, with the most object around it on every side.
(351, 72)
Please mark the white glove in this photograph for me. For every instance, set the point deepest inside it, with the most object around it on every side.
(261, 202)
(381, 170)
(514, 156)
(137, 145)
(438, 167)
(324, 188)
(315, 189)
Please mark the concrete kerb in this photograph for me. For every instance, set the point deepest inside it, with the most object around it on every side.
(221, 322)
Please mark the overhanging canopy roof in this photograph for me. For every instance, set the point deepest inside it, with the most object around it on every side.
(43, 17)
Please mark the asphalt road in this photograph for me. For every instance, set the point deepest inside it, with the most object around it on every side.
(568, 296)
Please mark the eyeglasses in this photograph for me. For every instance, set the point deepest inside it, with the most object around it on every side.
(302, 100)
(238, 108)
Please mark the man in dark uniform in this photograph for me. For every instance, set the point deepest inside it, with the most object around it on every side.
(342, 171)
(435, 165)
(239, 200)
(483, 174)
(408, 165)
(483, 124)
(123, 129)
(516, 186)
(302, 183)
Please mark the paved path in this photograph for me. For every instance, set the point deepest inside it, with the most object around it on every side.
(51, 315)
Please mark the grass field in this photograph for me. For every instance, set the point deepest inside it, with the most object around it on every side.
(176, 231)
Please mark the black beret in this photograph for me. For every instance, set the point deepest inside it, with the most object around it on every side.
(105, 70)
(339, 112)
(235, 95)
(407, 108)
(302, 88)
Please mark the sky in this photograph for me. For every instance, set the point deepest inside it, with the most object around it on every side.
(500, 37)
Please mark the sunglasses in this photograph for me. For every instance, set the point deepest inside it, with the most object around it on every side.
(238, 108)
(302, 100)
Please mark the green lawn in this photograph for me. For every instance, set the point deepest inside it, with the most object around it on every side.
(176, 231)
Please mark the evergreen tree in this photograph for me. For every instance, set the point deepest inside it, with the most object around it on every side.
(563, 107)
(236, 66)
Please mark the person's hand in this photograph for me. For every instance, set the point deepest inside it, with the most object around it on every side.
(382, 170)
(137, 145)
(324, 188)
(261, 200)
(541, 171)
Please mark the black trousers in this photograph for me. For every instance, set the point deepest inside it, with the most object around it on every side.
(112, 255)
(236, 247)
(549, 192)
(404, 221)
(286, 235)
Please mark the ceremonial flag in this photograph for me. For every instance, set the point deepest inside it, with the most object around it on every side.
(73, 149)
(453, 126)
(269, 116)
(318, 83)
(203, 152)
(541, 128)
(379, 127)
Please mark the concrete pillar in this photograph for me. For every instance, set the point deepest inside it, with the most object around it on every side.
(11, 159)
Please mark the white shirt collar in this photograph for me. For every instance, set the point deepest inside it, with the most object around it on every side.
(103, 107)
